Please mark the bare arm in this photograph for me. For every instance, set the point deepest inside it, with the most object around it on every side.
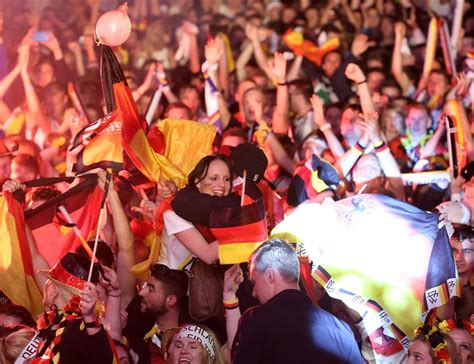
(125, 240)
(112, 316)
(198, 246)
(432, 143)
(295, 68)
(33, 102)
(232, 279)
(318, 118)
(260, 57)
(242, 61)
(397, 68)
(193, 54)
(145, 86)
(280, 122)
(355, 74)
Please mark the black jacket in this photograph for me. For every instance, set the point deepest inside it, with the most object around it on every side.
(290, 329)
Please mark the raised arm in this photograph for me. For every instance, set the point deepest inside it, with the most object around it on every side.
(389, 165)
(397, 66)
(147, 83)
(233, 277)
(262, 61)
(32, 100)
(295, 68)
(355, 74)
(242, 61)
(125, 240)
(320, 122)
(280, 123)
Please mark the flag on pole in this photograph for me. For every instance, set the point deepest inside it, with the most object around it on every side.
(54, 236)
(101, 144)
(192, 139)
(241, 229)
(16, 268)
(384, 258)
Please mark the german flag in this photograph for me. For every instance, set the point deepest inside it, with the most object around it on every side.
(53, 236)
(296, 42)
(16, 268)
(188, 140)
(101, 144)
(239, 230)
(310, 179)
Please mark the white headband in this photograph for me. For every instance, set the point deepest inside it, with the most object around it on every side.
(200, 335)
(30, 350)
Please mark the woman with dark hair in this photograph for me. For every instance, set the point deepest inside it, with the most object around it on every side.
(209, 187)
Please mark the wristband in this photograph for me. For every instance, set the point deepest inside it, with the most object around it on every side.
(381, 147)
(361, 82)
(325, 127)
(231, 304)
(358, 148)
(282, 83)
(111, 295)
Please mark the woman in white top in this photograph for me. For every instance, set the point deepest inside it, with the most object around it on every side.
(180, 239)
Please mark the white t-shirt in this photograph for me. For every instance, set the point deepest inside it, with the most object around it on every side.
(173, 254)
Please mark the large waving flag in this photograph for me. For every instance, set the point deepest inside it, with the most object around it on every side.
(296, 42)
(16, 269)
(310, 179)
(54, 236)
(192, 139)
(386, 259)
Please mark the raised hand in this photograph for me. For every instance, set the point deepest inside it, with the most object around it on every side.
(278, 67)
(166, 188)
(53, 44)
(251, 32)
(109, 280)
(12, 185)
(354, 73)
(370, 124)
(400, 29)
(89, 296)
(360, 44)
(318, 111)
(232, 279)
(213, 52)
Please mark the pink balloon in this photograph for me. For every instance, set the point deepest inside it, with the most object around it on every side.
(113, 28)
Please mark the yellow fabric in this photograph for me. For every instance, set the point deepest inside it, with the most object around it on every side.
(105, 147)
(187, 142)
(236, 253)
(228, 52)
(318, 184)
(17, 285)
(15, 125)
(142, 270)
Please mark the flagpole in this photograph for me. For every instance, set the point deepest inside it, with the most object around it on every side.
(243, 188)
(102, 208)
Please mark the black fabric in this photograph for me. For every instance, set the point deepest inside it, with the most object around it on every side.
(290, 329)
(78, 347)
(196, 207)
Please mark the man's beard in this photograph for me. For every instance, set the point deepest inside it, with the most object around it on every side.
(155, 311)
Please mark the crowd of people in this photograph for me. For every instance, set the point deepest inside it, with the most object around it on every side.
(343, 97)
